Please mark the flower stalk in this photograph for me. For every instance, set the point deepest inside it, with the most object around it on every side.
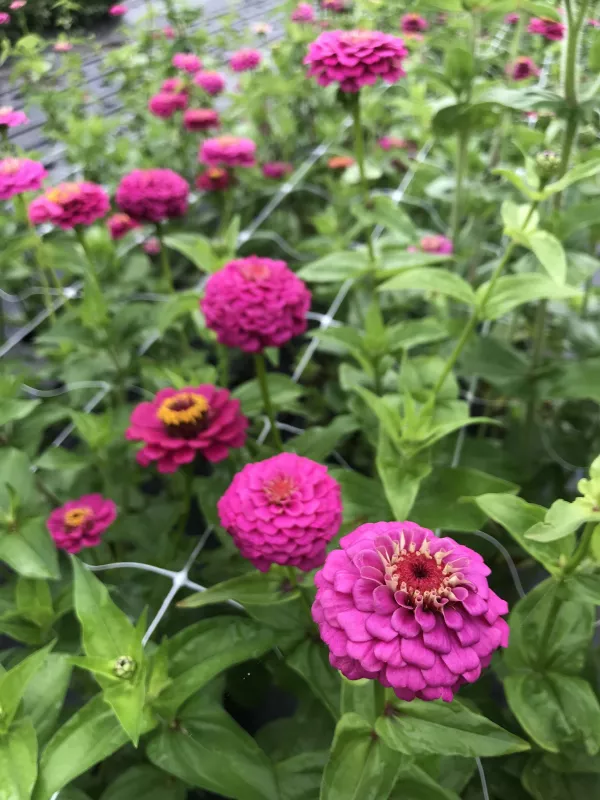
(261, 376)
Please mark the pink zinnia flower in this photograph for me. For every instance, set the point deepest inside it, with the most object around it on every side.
(254, 302)
(355, 58)
(337, 6)
(168, 32)
(546, 27)
(593, 23)
(117, 11)
(214, 179)
(4, 18)
(277, 169)
(70, 204)
(512, 18)
(153, 195)
(228, 151)
(213, 83)
(165, 104)
(187, 62)
(522, 68)
(303, 12)
(413, 611)
(17, 4)
(120, 224)
(174, 86)
(282, 511)
(436, 244)
(18, 175)
(81, 523)
(180, 423)
(152, 246)
(62, 47)
(413, 25)
(200, 119)
(9, 118)
(244, 60)
(340, 162)
(392, 143)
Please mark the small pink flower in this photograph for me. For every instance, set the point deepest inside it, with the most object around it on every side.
(436, 244)
(214, 179)
(213, 83)
(9, 118)
(546, 27)
(168, 32)
(70, 204)
(411, 610)
(254, 302)
(340, 162)
(165, 104)
(522, 68)
(262, 28)
(593, 23)
(355, 58)
(174, 86)
(392, 143)
(4, 18)
(413, 25)
(337, 6)
(153, 195)
(187, 62)
(180, 423)
(512, 18)
(282, 511)
(228, 151)
(200, 119)
(18, 175)
(276, 170)
(117, 11)
(120, 224)
(17, 4)
(81, 523)
(303, 12)
(244, 60)
(62, 47)
(152, 246)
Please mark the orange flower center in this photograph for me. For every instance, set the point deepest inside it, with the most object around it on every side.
(216, 173)
(10, 166)
(76, 517)
(255, 271)
(279, 489)
(227, 141)
(356, 37)
(183, 410)
(63, 193)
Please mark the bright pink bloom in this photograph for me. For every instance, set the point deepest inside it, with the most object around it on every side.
(413, 611)
(187, 62)
(593, 23)
(244, 60)
(413, 25)
(120, 224)
(180, 423)
(512, 18)
(436, 244)
(165, 104)
(201, 119)
(277, 169)
(153, 195)
(228, 151)
(214, 179)
(152, 246)
(337, 6)
(254, 302)
(9, 118)
(282, 511)
(18, 175)
(81, 523)
(4, 18)
(303, 12)
(213, 83)
(546, 27)
(117, 11)
(17, 4)
(355, 58)
(392, 143)
(174, 86)
(62, 47)
(70, 204)
(522, 68)
(168, 32)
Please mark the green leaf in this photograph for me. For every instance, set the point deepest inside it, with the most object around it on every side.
(127, 700)
(14, 682)
(550, 254)
(180, 305)
(34, 601)
(12, 409)
(206, 748)
(15, 471)
(351, 175)
(318, 442)
(363, 499)
(258, 588)
(472, 117)
(459, 65)
(584, 587)
(30, 551)
(518, 182)
(310, 659)
(383, 408)
(512, 291)
(579, 173)
(18, 761)
(496, 362)
(544, 783)
(416, 784)
(360, 697)
(299, 777)
(146, 782)
(401, 478)
(431, 279)
(360, 767)
(397, 261)
(555, 709)
(414, 333)
(195, 248)
(336, 267)
(438, 728)
(282, 390)
(562, 519)
(44, 696)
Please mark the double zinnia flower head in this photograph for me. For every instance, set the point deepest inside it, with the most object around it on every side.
(153, 195)
(70, 204)
(18, 175)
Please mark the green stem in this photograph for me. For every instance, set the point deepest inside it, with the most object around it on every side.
(539, 338)
(223, 365)
(462, 149)
(21, 204)
(293, 578)
(261, 375)
(187, 501)
(359, 152)
(165, 264)
(582, 549)
(226, 212)
(92, 270)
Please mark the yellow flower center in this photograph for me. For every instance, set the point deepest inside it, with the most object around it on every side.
(279, 489)
(10, 166)
(184, 408)
(227, 141)
(255, 271)
(63, 193)
(76, 517)
(215, 173)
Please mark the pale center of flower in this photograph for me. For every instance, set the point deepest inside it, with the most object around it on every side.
(357, 37)
(215, 173)
(227, 141)
(430, 243)
(255, 271)
(63, 193)
(6, 110)
(279, 489)
(76, 517)
(10, 166)
(183, 410)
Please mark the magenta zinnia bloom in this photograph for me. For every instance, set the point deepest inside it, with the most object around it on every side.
(152, 246)
(355, 58)
(153, 195)
(168, 32)
(436, 244)
(546, 27)
(17, 4)
(408, 609)
(70, 204)
(120, 224)
(9, 118)
(117, 11)
(228, 151)
(392, 143)
(254, 302)
(282, 511)
(244, 60)
(180, 423)
(200, 119)
(187, 62)
(165, 104)
(303, 12)
(213, 83)
(214, 179)
(62, 47)
(522, 68)
(413, 25)
(277, 169)
(18, 175)
(512, 18)
(81, 523)
(337, 6)
(4, 18)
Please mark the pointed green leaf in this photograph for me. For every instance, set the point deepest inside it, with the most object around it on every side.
(14, 682)
(44, 696)
(310, 659)
(18, 761)
(195, 248)
(30, 550)
(430, 279)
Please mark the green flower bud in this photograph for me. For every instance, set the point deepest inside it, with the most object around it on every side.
(125, 667)
(590, 489)
(547, 165)
(588, 136)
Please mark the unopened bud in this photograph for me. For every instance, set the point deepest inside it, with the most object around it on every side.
(125, 667)
(588, 136)
(547, 165)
